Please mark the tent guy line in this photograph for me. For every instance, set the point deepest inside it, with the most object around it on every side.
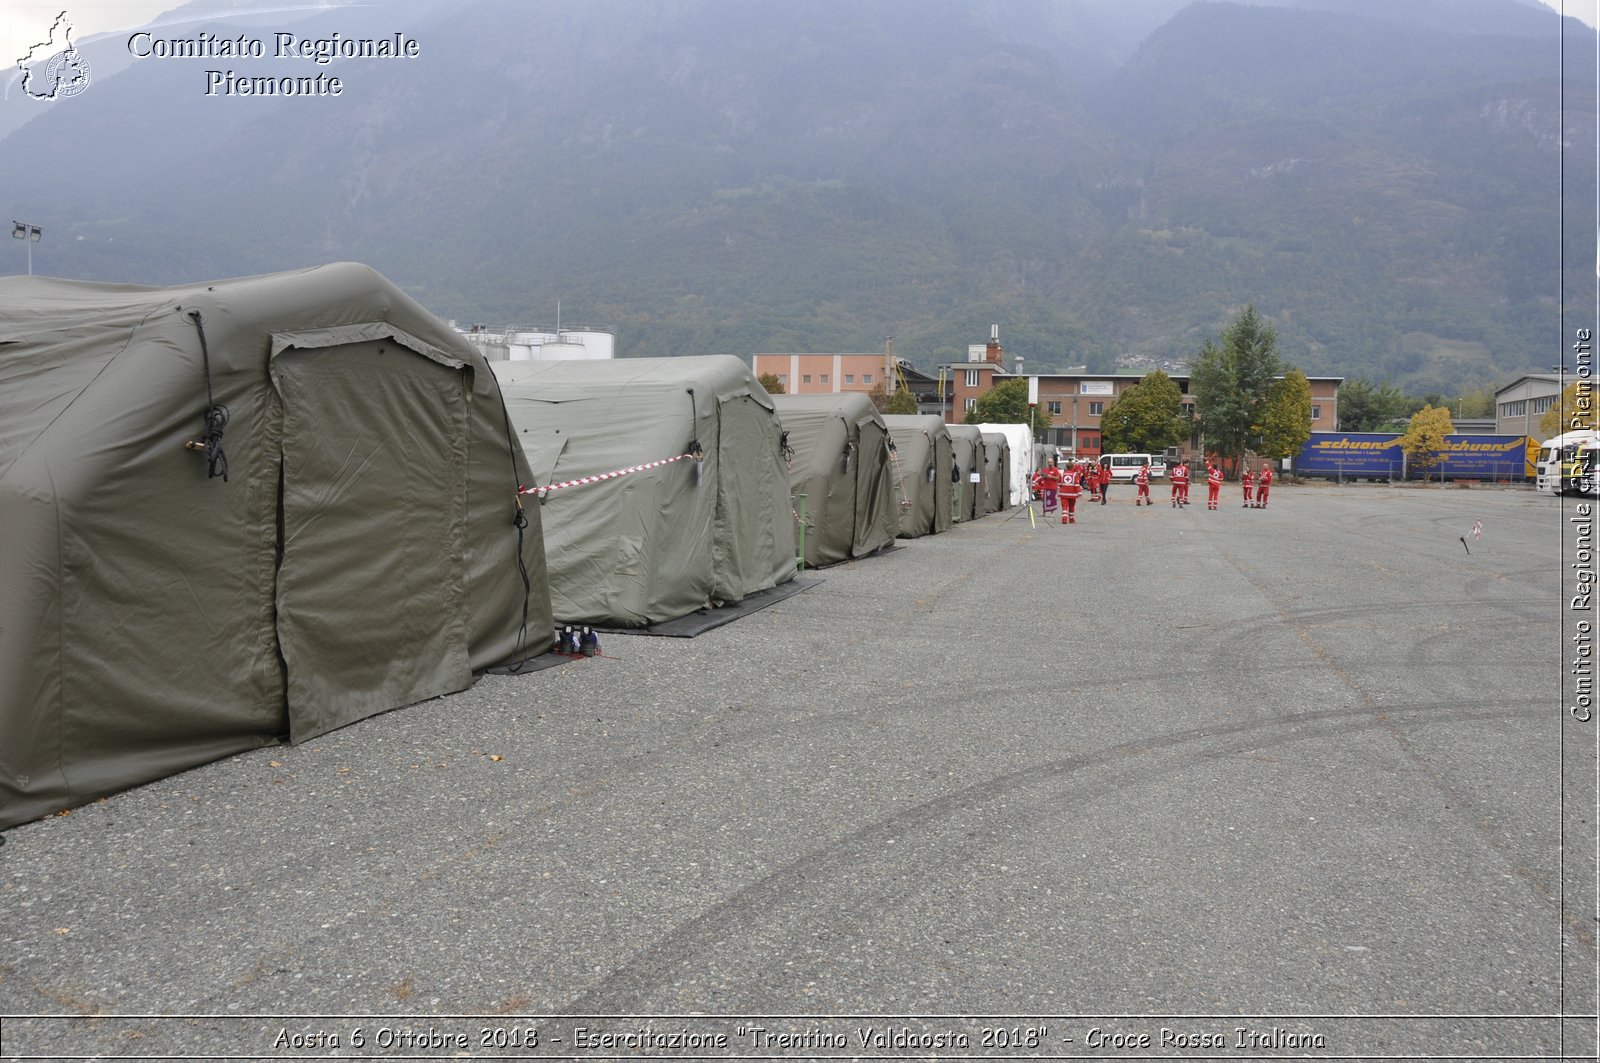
(547, 488)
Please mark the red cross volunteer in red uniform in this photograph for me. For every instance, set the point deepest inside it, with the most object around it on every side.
(1047, 484)
(1180, 485)
(1262, 486)
(1143, 480)
(1071, 489)
(1213, 485)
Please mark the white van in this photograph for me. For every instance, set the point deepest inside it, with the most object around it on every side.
(1125, 467)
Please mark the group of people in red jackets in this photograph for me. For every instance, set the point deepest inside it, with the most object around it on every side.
(1065, 486)
(1256, 488)
(1062, 488)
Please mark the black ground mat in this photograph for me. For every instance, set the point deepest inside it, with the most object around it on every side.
(532, 664)
(703, 620)
(879, 552)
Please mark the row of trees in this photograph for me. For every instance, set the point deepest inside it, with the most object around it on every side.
(1246, 400)
(1367, 406)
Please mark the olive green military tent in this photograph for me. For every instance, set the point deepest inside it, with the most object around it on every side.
(661, 483)
(238, 511)
(996, 464)
(925, 469)
(966, 449)
(840, 480)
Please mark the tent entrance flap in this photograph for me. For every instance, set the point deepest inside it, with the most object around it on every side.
(373, 440)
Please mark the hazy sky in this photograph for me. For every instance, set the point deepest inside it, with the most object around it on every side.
(1586, 10)
(26, 22)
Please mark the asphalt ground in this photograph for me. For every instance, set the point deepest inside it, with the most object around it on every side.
(1298, 769)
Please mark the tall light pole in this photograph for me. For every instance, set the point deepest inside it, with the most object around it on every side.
(28, 234)
(1561, 386)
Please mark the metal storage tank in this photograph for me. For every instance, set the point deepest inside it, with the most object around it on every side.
(595, 343)
(524, 345)
(561, 351)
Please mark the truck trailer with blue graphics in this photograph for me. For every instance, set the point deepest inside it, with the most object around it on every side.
(1378, 456)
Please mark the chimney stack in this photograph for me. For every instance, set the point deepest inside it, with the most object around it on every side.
(994, 352)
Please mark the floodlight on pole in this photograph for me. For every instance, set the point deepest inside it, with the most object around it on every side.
(30, 234)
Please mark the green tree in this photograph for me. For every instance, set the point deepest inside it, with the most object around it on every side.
(771, 382)
(1286, 417)
(1007, 403)
(901, 402)
(1424, 440)
(1145, 418)
(1232, 382)
(1366, 407)
(1575, 411)
(1478, 402)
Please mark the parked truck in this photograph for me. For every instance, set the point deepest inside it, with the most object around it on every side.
(1566, 463)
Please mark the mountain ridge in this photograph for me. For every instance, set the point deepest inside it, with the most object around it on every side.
(710, 175)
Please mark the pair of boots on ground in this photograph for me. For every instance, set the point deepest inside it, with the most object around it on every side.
(575, 643)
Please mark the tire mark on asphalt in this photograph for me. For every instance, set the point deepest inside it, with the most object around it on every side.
(1457, 799)
(653, 965)
(1236, 655)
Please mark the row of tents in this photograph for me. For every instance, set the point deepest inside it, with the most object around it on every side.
(265, 508)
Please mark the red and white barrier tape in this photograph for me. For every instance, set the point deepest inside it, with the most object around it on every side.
(547, 488)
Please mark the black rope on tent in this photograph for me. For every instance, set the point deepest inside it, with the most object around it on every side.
(216, 418)
(784, 448)
(694, 449)
(519, 521)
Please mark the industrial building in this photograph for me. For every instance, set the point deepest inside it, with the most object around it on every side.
(1519, 405)
(831, 374)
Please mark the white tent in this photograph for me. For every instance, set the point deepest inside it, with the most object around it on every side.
(1021, 440)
